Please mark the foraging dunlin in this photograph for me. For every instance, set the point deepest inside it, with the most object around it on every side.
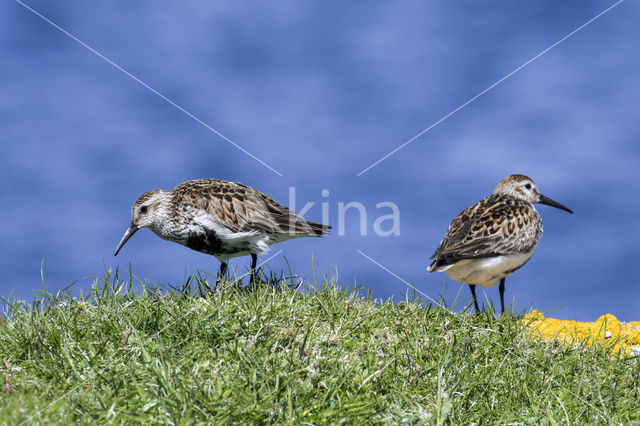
(493, 238)
(224, 219)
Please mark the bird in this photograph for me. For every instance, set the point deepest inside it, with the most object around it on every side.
(221, 218)
(493, 238)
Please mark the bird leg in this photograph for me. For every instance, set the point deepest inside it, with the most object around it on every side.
(475, 300)
(221, 274)
(254, 261)
(501, 288)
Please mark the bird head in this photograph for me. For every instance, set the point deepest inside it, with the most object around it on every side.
(147, 212)
(524, 188)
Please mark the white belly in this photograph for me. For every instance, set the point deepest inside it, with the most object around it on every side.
(242, 244)
(488, 271)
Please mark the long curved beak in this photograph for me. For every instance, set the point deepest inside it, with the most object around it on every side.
(128, 234)
(550, 202)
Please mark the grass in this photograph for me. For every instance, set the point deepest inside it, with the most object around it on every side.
(318, 354)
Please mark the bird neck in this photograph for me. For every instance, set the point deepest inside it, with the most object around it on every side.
(162, 213)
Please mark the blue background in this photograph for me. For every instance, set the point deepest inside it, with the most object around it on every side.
(319, 90)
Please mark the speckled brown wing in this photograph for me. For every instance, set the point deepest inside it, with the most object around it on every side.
(241, 208)
(495, 226)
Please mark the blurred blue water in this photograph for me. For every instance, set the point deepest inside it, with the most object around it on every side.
(319, 91)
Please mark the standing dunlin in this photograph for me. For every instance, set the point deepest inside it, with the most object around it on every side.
(493, 238)
(224, 219)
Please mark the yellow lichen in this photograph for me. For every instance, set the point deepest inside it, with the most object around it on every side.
(606, 329)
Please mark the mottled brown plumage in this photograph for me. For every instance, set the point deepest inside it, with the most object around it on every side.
(221, 218)
(495, 226)
(240, 208)
(491, 239)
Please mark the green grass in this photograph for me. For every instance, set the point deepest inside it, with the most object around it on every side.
(320, 354)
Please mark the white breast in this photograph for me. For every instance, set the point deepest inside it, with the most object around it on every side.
(488, 271)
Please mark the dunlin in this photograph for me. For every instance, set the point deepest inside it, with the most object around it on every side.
(493, 238)
(224, 219)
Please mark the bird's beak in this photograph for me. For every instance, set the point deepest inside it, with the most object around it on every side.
(128, 234)
(550, 202)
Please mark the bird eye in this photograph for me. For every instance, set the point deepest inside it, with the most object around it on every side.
(528, 186)
(143, 209)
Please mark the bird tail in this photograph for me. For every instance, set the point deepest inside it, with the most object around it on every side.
(318, 229)
(439, 265)
(298, 227)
